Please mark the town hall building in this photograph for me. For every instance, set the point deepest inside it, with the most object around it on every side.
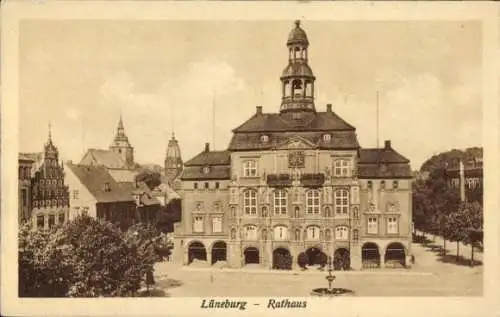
(296, 182)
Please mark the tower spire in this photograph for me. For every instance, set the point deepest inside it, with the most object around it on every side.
(50, 132)
(378, 118)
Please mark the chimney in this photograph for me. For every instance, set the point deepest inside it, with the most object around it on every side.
(207, 147)
(259, 110)
(329, 107)
(387, 144)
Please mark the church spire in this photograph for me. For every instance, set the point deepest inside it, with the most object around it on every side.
(297, 78)
(173, 160)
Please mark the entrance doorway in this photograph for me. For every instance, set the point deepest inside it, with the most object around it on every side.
(370, 255)
(341, 259)
(219, 251)
(282, 259)
(395, 255)
(196, 251)
(251, 255)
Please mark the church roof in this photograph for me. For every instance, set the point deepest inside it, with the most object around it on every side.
(94, 179)
(106, 158)
(275, 122)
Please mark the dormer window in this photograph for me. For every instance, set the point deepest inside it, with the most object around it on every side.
(206, 170)
(327, 137)
(264, 138)
(137, 199)
(106, 187)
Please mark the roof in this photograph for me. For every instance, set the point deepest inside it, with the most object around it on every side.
(94, 179)
(217, 172)
(344, 140)
(140, 188)
(384, 155)
(297, 69)
(106, 158)
(275, 122)
(34, 157)
(384, 171)
(123, 175)
(210, 158)
(297, 35)
(164, 188)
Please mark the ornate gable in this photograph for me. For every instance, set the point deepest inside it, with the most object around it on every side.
(296, 143)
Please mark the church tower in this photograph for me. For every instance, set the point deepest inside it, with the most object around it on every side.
(297, 78)
(122, 146)
(173, 160)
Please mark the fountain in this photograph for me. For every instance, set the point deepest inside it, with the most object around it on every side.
(335, 291)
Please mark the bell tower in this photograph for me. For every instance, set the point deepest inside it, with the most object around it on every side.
(297, 79)
(122, 146)
(173, 160)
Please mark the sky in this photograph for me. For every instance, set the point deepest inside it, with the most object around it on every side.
(166, 76)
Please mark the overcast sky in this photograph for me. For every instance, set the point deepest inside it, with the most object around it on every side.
(163, 75)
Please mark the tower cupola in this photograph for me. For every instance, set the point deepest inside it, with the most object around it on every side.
(173, 160)
(121, 145)
(297, 78)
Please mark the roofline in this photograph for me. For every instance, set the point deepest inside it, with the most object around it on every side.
(382, 177)
(205, 179)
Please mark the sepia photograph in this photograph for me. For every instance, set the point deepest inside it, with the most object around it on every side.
(249, 162)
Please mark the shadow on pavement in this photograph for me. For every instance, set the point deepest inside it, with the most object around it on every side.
(461, 260)
(169, 283)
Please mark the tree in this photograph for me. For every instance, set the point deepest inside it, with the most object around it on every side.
(302, 260)
(84, 258)
(471, 215)
(151, 178)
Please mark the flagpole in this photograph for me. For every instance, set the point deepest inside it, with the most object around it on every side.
(378, 120)
(213, 120)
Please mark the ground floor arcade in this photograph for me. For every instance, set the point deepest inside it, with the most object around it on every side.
(370, 254)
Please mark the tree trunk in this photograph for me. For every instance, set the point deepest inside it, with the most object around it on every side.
(458, 250)
(472, 255)
(444, 246)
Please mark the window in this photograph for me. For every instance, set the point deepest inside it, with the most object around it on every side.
(327, 137)
(392, 225)
(312, 202)
(217, 185)
(60, 218)
(264, 138)
(216, 224)
(195, 185)
(207, 185)
(250, 202)
(369, 185)
(206, 170)
(341, 168)
(233, 212)
(106, 187)
(382, 184)
(341, 201)
(296, 212)
(372, 225)
(341, 233)
(197, 224)
(392, 208)
(75, 194)
(395, 184)
(280, 233)
(52, 221)
(40, 222)
(85, 211)
(312, 233)
(264, 212)
(250, 169)
(280, 202)
(251, 232)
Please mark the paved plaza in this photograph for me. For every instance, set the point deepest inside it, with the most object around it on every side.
(431, 275)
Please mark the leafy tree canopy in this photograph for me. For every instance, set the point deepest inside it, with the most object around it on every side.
(450, 158)
(151, 178)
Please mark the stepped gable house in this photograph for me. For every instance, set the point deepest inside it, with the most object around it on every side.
(296, 181)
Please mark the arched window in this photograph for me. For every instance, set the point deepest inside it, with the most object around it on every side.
(287, 88)
(341, 201)
(250, 202)
(296, 88)
(195, 185)
(280, 202)
(250, 168)
(217, 185)
(312, 202)
(395, 184)
(313, 233)
(207, 185)
(309, 91)
(233, 212)
(296, 212)
(280, 233)
(382, 184)
(341, 233)
(297, 52)
(251, 232)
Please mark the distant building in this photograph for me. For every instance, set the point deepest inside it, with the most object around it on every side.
(294, 182)
(173, 161)
(467, 177)
(119, 156)
(25, 165)
(49, 193)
